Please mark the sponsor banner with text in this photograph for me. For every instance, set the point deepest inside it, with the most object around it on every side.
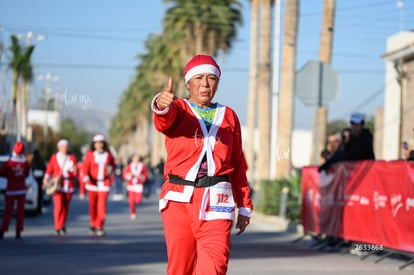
(368, 201)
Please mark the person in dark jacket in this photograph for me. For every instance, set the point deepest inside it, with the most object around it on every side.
(38, 168)
(358, 147)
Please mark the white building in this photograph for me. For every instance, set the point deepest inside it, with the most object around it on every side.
(399, 65)
(41, 117)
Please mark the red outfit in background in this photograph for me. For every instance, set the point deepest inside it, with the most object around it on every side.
(64, 165)
(80, 180)
(136, 174)
(16, 170)
(97, 178)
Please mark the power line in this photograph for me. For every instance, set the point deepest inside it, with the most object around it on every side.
(350, 8)
(84, 36)
(366, 101)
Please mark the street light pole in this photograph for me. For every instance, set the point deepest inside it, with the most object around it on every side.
(49, 77)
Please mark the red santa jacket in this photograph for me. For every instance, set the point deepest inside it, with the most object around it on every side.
(16, 170)
(136, 175)
(65, 166)
(187, 141)
(97, 175)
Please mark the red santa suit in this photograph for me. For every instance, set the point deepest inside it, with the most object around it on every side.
(136, 174)
(16, 170)
(197, 220)
(64, 165)
(80, 180)
(97, 178)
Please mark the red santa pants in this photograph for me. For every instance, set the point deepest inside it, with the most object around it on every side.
(8, 212)
(97, 208)
(195, 246)
(134, 198)
(61, 203)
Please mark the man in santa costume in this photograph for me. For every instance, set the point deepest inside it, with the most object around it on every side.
(136, 174)
(204, 172)
(62, 164)
(16, 170)
(98, 167)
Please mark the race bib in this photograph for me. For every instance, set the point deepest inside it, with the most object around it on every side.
(221, 197)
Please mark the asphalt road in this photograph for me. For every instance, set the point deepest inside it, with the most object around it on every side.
(137, 247)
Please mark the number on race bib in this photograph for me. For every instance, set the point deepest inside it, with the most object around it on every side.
(222, 198)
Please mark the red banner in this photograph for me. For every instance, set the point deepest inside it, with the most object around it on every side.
(369, 201)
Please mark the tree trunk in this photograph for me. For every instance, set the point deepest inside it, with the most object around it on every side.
(14, 102)
(263, 158)
(253, 82)
(23, 115)
(325, 55)
(287, 86)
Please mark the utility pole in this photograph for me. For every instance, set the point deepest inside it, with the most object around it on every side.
(275, 90)
(48, 78)
(253, 87)
(325, 56)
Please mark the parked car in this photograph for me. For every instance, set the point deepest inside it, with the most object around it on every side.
(31, 206)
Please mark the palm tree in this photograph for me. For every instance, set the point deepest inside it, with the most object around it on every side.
(16, 65)
(22, 70)
(264, 90)
(253, 82)
(287, 85)
(204, 26)
(27, 78)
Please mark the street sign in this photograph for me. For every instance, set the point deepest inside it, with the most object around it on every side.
(317, 84)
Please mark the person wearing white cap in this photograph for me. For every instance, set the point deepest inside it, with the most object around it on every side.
(97, 168)
(204, 172)
(16, 170)
(136, 174)
(62, 164)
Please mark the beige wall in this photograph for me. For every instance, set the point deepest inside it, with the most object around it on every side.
(408, 103)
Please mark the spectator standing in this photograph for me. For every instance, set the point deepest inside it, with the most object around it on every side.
(16, 169)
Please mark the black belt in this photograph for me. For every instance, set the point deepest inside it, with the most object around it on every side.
(205, 181)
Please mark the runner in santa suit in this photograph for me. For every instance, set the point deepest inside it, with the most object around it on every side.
(62, 163)
(136, 174)
(98, 167)
(205, 177)
(16, 170)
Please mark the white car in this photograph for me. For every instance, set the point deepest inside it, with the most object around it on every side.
(31, 205)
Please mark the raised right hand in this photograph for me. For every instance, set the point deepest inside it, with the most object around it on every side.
(166, 97)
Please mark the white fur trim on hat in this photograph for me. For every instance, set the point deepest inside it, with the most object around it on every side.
(202, 69)
(98, 137)
(63, 142)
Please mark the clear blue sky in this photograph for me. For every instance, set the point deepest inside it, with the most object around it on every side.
(110, 33)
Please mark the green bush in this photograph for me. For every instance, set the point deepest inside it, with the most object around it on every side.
(270, 195)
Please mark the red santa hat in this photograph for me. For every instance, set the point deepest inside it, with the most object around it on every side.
(18, 148)
(201, 64)
(98, 137)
